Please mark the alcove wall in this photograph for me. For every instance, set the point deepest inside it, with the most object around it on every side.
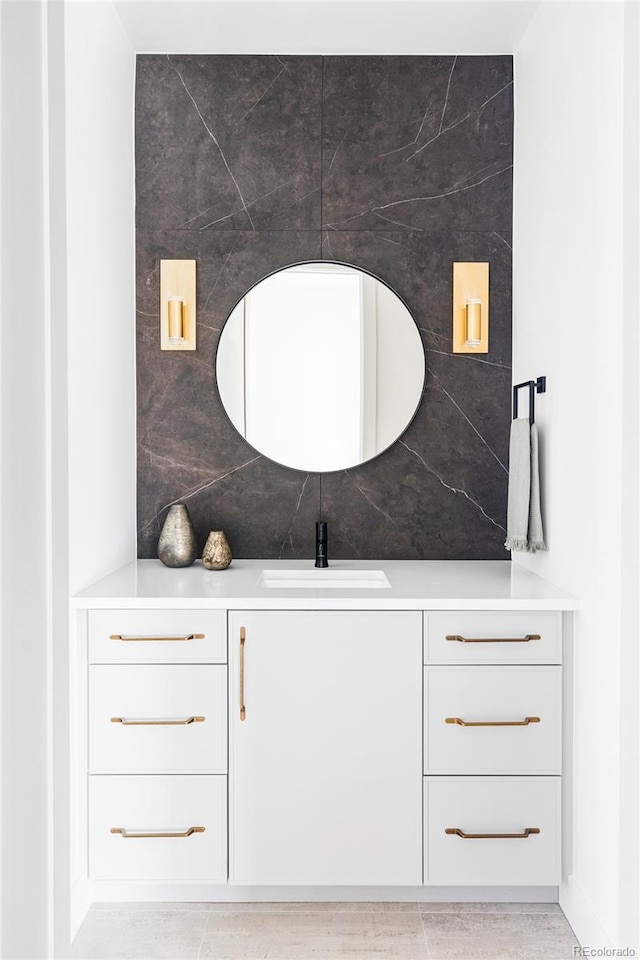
(399, 164)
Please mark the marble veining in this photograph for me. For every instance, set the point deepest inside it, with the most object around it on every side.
(453, 489)
(216, 150)
(288, 547)
(420, 140)
(400, 165)
(215, 140)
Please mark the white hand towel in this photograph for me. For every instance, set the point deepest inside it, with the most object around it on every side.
(535, 538)
(519, 485)
(524, 521)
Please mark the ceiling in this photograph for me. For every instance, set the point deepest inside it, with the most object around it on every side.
(331, 26)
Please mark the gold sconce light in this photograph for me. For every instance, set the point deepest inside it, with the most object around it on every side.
(177, 305)
(471, 308)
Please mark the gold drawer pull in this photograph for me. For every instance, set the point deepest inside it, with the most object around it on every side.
(457, 832)
(493, 723)
(243, 637)
(525, 639)
(189, 636)
(127, 722)
(149, 834)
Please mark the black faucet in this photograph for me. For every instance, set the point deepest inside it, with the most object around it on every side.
(321, 544)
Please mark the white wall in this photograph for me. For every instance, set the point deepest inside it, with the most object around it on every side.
(25, 558)
(99, 107)
(67, 430)
(100, 67)
(569, 324)
(630, 621)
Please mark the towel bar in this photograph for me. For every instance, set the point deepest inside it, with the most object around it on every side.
(535, 386)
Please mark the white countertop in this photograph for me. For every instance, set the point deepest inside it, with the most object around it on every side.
(415, 585)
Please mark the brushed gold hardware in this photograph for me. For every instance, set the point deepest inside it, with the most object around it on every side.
(149, 834)
(243, 637)
(473, 322)
(493, 723)
(189, 636)
(471, 308)
(156, 723)
(525, 639)
(177, 304)
(176, 319)
(456, 831)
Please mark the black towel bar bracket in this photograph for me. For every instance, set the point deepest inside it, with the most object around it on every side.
(535, 386)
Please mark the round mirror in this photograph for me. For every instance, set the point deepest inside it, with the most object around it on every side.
(320, 366)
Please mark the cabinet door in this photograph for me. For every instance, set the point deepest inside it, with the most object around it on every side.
(497, 720)
(157, 636)
(492, 830)
(484, 636)
(158, 828)
(325, 768)
(158, 718)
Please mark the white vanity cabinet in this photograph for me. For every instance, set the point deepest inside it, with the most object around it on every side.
(325, 735)
(235, 742)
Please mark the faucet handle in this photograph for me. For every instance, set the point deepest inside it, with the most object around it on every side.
(321, 544)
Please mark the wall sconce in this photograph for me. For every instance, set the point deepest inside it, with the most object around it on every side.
(177, 305)
(471, 308)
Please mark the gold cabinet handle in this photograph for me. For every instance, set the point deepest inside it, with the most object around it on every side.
(243, 637)
(129, 722)
(493, 723)
(188, 636)
(150, 834)
(457, 832)
(525, 639)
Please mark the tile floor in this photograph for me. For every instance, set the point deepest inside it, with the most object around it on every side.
(325, 931)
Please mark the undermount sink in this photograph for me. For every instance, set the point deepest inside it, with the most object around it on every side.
(324, 578)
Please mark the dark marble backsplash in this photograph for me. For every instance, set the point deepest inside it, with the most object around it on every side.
(400, 165)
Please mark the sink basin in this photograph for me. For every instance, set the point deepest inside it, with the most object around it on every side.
(327, 579)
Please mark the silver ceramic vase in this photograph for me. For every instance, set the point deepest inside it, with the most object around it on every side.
(177, 544)
(217, 552)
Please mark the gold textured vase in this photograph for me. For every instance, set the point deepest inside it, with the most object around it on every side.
(217, 552)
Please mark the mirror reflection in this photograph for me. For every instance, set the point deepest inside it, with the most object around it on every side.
(320, 366)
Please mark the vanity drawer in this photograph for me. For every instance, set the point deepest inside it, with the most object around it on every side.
(497, 637)
(158, 718)
(525, 700)
(158, 636)
(158, 805)
(492, 805)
